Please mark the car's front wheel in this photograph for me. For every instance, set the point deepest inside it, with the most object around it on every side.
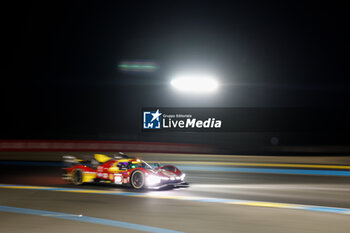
(137, 179)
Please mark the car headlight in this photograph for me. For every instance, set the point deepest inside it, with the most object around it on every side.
(183, 176)
(153, 180)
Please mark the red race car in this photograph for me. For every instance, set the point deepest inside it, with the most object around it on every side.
(122, 170)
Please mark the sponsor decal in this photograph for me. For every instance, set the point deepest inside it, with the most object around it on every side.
(118, 179)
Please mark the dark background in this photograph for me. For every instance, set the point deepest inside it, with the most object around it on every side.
(61, 78)
(259, 120)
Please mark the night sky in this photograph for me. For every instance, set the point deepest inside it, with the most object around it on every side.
(61, 78)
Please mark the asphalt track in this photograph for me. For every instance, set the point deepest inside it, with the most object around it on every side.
(35, 199)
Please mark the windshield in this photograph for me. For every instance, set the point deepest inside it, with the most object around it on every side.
(142, 164)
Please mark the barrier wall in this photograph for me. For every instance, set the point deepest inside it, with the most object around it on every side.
(103, 146)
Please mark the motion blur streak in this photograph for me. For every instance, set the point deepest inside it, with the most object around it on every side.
(194, 198)
(186, 167)
(256, 164)
(81, 218)
(138, 66)
(266, 170)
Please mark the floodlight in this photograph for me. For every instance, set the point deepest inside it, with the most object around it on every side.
(195, 83)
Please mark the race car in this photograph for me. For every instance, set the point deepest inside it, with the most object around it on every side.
(122, 170)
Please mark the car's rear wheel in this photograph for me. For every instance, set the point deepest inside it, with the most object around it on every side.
(137, 179)
(77, 177)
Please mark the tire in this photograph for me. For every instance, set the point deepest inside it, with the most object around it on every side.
(77, 177)
(137, 179)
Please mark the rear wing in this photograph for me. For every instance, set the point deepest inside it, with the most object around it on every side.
(69, 160)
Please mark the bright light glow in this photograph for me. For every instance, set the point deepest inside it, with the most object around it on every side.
(137, 66)
(183, 176)
(195, 83)
(153, 180)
